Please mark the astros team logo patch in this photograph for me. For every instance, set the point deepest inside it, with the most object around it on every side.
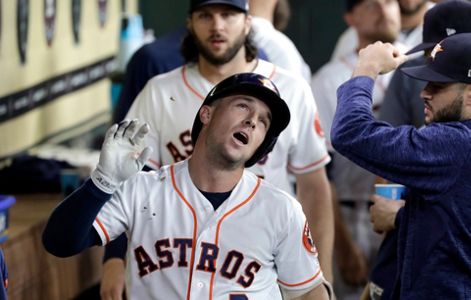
(307, 240)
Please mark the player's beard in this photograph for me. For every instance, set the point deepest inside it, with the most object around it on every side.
(450, 113)
(227, 56)
(385, 31)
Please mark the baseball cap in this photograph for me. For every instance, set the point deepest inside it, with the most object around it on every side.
(257, 86)
(443, 20)
(450, 61)
(350, 4)
(242, 5)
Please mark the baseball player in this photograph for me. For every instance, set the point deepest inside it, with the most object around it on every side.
(355, 243)
(434, 253)
(203, 228)
(218, 46)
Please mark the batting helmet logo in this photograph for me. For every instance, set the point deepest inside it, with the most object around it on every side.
(438, 48)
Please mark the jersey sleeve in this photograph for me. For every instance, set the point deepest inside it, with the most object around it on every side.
(310, 151)
(323, 91)
(113, 218)
(145, 109)
(296, 255)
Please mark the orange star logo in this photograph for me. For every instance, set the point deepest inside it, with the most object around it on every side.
(267, 83)
(436, 49)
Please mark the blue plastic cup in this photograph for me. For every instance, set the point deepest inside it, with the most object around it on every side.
(390, 191)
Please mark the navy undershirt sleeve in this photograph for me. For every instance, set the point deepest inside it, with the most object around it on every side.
(69, 229)
(116, 248)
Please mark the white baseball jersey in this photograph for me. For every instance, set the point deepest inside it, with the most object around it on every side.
(279, 48)
(169, 103)
(351, 181)
(182, 249)
(330, 76)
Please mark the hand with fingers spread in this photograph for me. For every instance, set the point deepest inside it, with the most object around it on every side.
(383, 213)
(123, 154)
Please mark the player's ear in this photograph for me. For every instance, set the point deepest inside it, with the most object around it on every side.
(467, 97)
(188, 23)
(205, 114)
(248, 24)
(348, 18)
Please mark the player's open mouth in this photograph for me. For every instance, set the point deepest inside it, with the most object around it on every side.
(241, 137)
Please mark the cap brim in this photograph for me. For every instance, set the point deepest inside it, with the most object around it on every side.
(425, 73)
(421, 47)
(212, 2)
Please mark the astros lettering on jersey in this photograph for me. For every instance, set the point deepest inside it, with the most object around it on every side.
(169, 103)
(182, 249)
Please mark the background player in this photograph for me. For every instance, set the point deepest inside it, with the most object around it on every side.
(205, 221)
(433, 162)
(355, 243)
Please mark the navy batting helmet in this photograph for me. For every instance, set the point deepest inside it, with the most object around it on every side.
(257, 86)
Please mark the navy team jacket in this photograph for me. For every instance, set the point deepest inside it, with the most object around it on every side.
(434, 245)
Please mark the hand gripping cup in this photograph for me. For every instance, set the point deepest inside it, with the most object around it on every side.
(390, 191)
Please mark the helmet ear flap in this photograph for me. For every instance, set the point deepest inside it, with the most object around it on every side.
(265, 148)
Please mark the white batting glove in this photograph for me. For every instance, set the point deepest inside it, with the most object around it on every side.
(122, 155)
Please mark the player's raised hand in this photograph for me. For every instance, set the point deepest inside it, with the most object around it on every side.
(378, 58)
(122, 155)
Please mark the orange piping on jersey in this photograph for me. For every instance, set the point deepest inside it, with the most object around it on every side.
(301, 283)
(103, 229)
(155, 163)
(218, 228)
(310, 165)
(317, 125)
(272, 72)
(188, 84)
(193, 242)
